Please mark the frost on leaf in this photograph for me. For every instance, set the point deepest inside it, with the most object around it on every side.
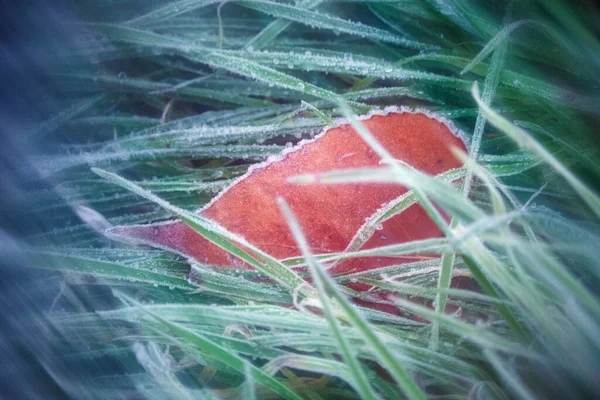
(330, 215)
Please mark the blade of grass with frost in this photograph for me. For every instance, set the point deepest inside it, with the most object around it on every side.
(217, 235)
(332, 61)
(378, 93)
(324, 21)
(448, 258)
(425, 246)
(527, 142)
(391, 209)
(106, 269)
(328, 121)
(276, 27)
(490, 84)
(206, 346)
(500, 169)
(400, 375)
(199, 135)
(226, 126)
(162, 186)
(443, 194)
(402, 270)
(423, 290)
(253, 70)
(359, 379)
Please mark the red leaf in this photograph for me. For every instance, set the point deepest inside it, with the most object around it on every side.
(330, 215)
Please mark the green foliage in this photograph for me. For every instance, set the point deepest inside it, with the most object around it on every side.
(168, 102)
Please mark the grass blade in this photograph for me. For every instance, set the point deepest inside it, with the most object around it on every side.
(359, 378)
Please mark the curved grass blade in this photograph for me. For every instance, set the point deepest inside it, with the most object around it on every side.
(492, 44)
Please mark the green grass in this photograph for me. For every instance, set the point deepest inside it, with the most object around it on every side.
(166, 102)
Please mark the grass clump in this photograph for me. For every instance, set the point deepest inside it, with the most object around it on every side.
(169, 102)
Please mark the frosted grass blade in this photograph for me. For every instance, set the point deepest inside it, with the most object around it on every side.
(217, 235)
(359, 379)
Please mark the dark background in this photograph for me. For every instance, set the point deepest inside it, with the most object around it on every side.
(32, 365)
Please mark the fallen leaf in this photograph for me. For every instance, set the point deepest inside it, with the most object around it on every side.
(330, 215)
